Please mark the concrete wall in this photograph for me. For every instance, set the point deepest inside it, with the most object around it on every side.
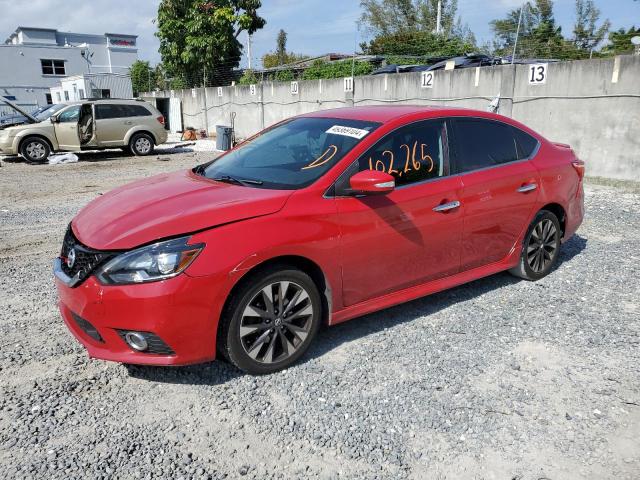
(593, 105)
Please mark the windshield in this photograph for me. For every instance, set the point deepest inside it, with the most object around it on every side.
(45, 114)
(292, 155)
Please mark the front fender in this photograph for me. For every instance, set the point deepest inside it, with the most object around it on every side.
(37, 132)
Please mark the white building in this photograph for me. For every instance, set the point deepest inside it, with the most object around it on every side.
(92, 85)
(33, 60)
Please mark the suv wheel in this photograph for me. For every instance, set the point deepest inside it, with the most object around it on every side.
(35, 149)
(270, 323)
(141, 144)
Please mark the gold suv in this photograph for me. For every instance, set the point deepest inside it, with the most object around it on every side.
(133, 125)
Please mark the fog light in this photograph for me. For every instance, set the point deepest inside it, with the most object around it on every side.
(136, 341)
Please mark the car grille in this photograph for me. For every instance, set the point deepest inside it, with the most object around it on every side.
(86, 259)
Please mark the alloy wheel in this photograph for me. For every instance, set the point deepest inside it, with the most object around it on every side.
(276, 322)
(143, 145)
(542, 246)
(36, 150)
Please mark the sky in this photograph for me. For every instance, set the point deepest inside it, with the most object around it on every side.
(314, 27)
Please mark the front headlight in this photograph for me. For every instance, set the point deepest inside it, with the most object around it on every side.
(155, 262)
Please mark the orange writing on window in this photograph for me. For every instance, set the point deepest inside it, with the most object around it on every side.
(328, 154)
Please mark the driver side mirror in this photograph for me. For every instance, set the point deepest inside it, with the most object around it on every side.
(372, 182)
(54, 119)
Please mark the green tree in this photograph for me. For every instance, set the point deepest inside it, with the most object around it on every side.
(539, 36)
(388, 17)
(620, 41)
(199, 38)
(248, 77)
(281, 48)
(419, 43)
(281, 56)
(143, 78)
(407, 27)
(323, 69)
(587, 35)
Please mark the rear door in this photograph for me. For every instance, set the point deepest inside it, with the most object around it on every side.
(499, 187)
(112, 123)
(66, 128)
(411, 235)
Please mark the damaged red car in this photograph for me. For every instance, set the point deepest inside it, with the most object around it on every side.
(317, 220)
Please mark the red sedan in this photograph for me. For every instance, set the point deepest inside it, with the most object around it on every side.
(317, 220)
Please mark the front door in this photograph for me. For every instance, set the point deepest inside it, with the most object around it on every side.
(411, 235)
(500, 188)
(66, 128)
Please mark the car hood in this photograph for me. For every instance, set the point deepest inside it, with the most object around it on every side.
(167, 205)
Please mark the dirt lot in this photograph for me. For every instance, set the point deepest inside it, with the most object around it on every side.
(497, 379)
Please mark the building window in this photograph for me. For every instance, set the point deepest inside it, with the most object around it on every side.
(101, 93)
(58, 97)
(81, 93)
(49, 99)
(52, 67)
(66, 96)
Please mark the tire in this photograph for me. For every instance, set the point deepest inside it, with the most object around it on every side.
(141, 144)
(35, 149)
(255, 338)
(540, 248)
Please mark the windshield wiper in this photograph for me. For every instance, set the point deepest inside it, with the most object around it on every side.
(237, 181)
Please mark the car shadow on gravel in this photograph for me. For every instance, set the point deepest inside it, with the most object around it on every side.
(219, 372)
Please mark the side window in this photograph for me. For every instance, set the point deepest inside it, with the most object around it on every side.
(483, 143)
(413, 153)
(106, 111)
(70, 115)
(134, 111)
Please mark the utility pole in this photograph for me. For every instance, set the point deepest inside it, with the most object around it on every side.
(439, 18)
(249, 51)
(515, 44)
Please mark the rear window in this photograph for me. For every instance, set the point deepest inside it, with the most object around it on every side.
(106, 111)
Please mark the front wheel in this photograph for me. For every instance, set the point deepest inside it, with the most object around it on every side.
(271, 321)
(540, 248)
(35, 149)
(141, 144)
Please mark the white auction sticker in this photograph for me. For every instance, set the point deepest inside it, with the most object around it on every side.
(348, 131)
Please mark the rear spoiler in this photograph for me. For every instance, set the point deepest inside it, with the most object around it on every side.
(562, 145)
(18, 109)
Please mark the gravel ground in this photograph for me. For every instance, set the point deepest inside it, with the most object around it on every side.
(497, 379)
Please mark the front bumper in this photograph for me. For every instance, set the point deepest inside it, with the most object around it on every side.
(182, 311)
(6, 146)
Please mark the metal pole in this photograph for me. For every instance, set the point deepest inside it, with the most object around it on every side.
(249, 51)
(515, 44)
(439, 18)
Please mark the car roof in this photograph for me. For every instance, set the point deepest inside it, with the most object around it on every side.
(387, 113)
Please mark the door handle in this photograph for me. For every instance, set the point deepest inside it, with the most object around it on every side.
(128, 123)
(529, 187)
(445, 207)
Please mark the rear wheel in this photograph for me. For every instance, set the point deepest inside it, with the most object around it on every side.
(271, 321)
(540, 248)
(35, 149)
(141, 144)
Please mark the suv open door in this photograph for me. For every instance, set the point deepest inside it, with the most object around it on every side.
(65, 125)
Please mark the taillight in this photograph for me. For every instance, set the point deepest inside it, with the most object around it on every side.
(579, 166)
(161, 119)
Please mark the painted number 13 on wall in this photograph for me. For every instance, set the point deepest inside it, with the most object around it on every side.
(538, 73)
